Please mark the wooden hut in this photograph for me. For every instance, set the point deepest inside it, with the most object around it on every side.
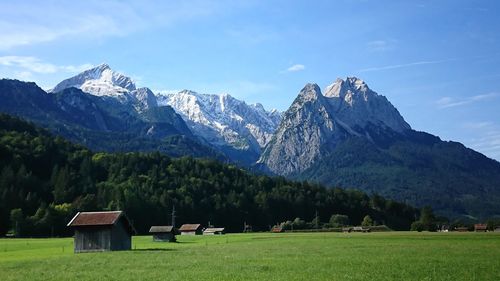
(165, 233)
(480, 227)
(461, 229)
(191, 229)
(101, 231)
(214, 230)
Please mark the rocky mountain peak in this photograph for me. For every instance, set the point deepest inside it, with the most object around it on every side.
(224, 120)
(348, 87)
(316, 123)
(99, 81)
(310, 93)
(145, 97)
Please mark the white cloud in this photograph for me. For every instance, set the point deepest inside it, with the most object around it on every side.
(447, 102)
(30, 23)
(25, 66)
(396, 66)
(477, 125)
(380, 45)
(487, 137)
(296, 67)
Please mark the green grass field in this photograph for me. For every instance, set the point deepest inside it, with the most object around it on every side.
(264, 256)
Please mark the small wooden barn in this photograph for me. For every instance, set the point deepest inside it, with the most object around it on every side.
(164, 233)
(480, 227)
(214, 231)
(101, 231)
(191, 229)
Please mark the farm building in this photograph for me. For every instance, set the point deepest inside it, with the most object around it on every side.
(277, 229)
(101, 231)
(213, 231)
(479, 227)
(163, 233)
(355, 229)
(191, 229)
(461, 229)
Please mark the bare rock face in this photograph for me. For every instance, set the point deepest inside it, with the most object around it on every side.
(356, 105)
(224, 120)
(315, 123)
(144, 98)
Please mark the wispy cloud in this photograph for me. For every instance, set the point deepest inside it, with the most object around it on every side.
(380, 45)
(447, 102)
(23, 25)
(487, 137)
(30, 23)
(477, 125)
(27, 65)
(296, 67)
(396, 66)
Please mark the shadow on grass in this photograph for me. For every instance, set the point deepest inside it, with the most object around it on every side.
(153, 250)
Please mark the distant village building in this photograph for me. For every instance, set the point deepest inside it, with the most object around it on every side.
(461, 229)
(191, 229)
(443, 228)
(214, 230)
(356, 229)
(277, 229)
(480, 227)
(164, 233)
(101, 231)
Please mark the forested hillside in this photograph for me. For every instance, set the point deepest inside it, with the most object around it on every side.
(45, 180)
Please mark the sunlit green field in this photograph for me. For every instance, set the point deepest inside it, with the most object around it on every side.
(264, 256)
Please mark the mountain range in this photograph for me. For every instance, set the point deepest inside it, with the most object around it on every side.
(350, 136)
(240, 130)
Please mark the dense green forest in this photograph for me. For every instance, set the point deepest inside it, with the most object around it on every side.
(418, 169)
(45, 180)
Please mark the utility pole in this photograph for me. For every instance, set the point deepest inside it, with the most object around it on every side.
(317, 220)
(173, 216)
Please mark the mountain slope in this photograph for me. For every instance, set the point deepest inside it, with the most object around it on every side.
(102, 123)
(239, 129)
(353, 137)
(231, 126)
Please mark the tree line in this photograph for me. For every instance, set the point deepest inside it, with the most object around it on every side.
(45, 180)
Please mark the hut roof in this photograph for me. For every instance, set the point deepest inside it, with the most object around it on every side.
(161, 229)
(214, 229)
(82, 219)
(190, 227)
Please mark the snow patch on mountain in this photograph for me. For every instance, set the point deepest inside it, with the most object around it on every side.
(99, 81)
(224, 120)
(102, 81)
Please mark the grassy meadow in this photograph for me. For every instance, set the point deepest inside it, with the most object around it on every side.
(264, 256)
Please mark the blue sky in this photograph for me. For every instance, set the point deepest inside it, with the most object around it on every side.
(436, 61)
